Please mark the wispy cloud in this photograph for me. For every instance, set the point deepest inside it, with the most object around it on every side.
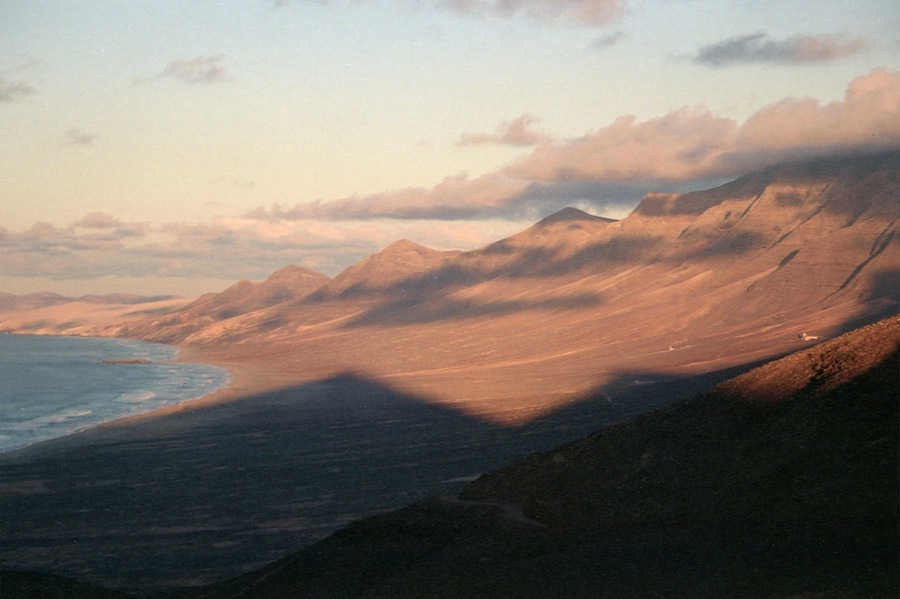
(455, 198)
(610, 39)
(98, 220)
(759, 47)
(202, 69)
(517, 132)
(593, 13)
(77, 137)
(583, 12)
(10, 91)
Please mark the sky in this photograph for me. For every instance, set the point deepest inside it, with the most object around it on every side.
(174, 147)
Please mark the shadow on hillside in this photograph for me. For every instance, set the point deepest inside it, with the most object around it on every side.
(417, 311)
(204, 494)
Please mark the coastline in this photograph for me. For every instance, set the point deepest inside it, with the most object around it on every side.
(229, 388)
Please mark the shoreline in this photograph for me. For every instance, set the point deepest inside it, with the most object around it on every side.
(241, 380)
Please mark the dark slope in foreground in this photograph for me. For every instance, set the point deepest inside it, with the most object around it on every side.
(781, 482)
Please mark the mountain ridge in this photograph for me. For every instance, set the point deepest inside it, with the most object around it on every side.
(586, 313)
(704, 280)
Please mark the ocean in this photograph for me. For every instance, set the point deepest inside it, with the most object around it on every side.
(52, 386)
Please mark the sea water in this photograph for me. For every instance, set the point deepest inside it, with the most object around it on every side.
(51, 386)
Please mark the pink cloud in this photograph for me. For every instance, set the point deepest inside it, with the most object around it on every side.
(616, 164)
(584, 12)
(679, 145)
(869, 115)
(692, 143)
(454, 197)
(517, 132)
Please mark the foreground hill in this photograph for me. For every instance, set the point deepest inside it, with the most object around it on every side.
(781, 482)
(685, 284)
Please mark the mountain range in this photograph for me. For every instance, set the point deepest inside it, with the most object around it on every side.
(685, 284)
(751, 489)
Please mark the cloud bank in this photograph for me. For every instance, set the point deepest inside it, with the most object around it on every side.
(688, 148)
(606, 171)
(100, 246)
(759, 47)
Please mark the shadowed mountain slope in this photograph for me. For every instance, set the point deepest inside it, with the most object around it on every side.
(782, 482)
(394, 265)
(287, 284)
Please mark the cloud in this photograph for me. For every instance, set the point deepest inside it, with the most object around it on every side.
(202, 69)
(96, 247)
(45, 238)
(692, 143)
(759, 47)
(593, 13)
(98, 220)
(517, 132)
(606, 171)
(868, 118)
(10, 91)
(679, 145)
(77, 137)
(608, 168)
(610, 39)
(454, 198)
(583, 12)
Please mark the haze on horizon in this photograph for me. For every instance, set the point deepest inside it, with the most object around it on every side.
(169, 147)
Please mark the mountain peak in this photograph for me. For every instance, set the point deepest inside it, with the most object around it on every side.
(397, 262)
(404, 246)
(570, 214)
(293, 273)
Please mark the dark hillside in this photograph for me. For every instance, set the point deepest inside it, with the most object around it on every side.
(782, 482)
